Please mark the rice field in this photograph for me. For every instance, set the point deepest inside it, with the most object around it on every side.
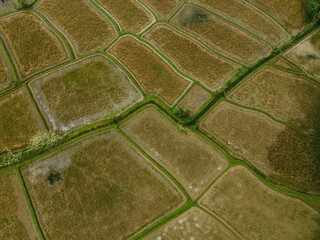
(165, 8)
(285, 64)
(5, 73)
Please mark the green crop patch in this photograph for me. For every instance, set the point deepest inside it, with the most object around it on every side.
(164, 8)
(214, 31)
(191, 57)
(89, 90)
(274, 149)
(98, 188)
(153, 73)
(15, 219)
(84, 25)
(257, 212)
(249, 17)
(292, 98)
(33, 46)
(194, 162)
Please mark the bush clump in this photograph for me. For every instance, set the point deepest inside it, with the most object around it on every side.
(314, 9)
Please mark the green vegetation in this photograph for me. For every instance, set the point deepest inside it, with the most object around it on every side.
(22, 4)
(314, 9)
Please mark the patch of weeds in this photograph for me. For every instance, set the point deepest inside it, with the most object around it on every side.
(9, 158)
(185, 115)
(314, 9)
(42, 139)
(21, 4)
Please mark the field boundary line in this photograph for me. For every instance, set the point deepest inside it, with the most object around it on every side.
(11, 66)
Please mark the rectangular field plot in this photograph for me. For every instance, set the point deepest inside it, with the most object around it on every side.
(194, 224)
(257, 212)
(15, 219)
(19, 120)
(164, 8)
(84, 92)
(130, 14)
(85, 27)
(98, 188)
(307, 54)
(151, 71)
(191, 57)
(6, 75)
(292, 15)
(194, 162)
(292, 98)
(34, 47)
(285, 64)
(249, 17)
(275, 150)
(221, 35)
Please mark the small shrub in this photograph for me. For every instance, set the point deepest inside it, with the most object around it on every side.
(42, 139)
(21, 4)
(314, 9)
(9, 158)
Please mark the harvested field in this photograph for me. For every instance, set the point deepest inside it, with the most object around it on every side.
(15, 219)
(19, 120)
(291, 98)
(285, 64)
(86, 189)
(274, 149)
(86, 27)
(257, 212)
(291, 14)
(34, 47)
(191, 57)
(5, 73)
(214, 31)
(193, 101)
(164, 8)
(153, 73)
(249, 17)
(194, 224)
(189, 158)
(130, 14)
(307, 54)
(84, 92)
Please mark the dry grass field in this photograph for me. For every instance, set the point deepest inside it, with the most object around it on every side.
(189, 158)
(98, 188)
(15, 218)
(194, 224)
(214, 31)
(151, 71)
(19, 120)
(34, 47)
(292, 98)
(274, 149)
(285, 64)
(191, 57)
(292, 14)
(307, 54)
(194, 99)
(83, 92)
(5, 73)
(130, 14)
(164, 8)
(249, 17)
(86, 28)
(257, 212)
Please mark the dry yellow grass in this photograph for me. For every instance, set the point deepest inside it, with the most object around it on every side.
(130, 14)
(98, 188)
(257, 212)
(191, 57)
(86, 28)
(152, 72)
(285, 64)
(33, 46)
(5, 73)
(250, 18)
(164, 8)
(221, 35)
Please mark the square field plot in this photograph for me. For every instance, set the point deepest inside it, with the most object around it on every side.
(6, 75)
(130, 14)
(98, 188)
(33, 46)
(194, 162)
(250, 18)
(277, 151)
(257, 212)
(15, 219)
(164, 8)
(19, 120)
(292, 98)
(194, 224)
(221, 35)
(84, 92)
(86, 27)
(153, 73)
(191, 57)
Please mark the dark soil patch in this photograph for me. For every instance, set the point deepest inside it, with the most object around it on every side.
(54, 177)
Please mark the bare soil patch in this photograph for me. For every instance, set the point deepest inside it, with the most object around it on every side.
(257, 212)
(285, 64)
(214, 31)
(191, 57)
(151, 71)
(164, 8)
(189, 158)
(7, 6)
